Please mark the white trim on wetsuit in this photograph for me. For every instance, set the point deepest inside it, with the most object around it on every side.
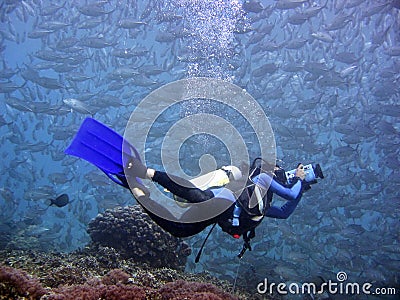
(223, 193)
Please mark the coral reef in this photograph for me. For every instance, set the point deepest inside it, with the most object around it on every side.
(100, 273)
(110, 290)
(116, 284)
(131, 231)
(5, 238)
(17, 283)
(192, 290)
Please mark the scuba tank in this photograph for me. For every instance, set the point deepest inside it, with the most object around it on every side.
(217, 178)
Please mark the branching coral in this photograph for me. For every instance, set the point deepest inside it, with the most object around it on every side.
(115, 276)
(181, 289)
(100, 291)
(115, 285)
(177, 290)
(16, 283)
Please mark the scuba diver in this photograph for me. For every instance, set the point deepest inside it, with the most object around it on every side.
(103, 147)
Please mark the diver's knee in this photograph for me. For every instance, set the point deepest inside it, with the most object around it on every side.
(198, 195)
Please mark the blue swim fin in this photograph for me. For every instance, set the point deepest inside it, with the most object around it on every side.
(103, 147)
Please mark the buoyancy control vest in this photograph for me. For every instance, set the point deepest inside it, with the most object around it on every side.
(251, 216)
(253, 201)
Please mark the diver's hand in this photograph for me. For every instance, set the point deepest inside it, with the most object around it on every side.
(300, 172)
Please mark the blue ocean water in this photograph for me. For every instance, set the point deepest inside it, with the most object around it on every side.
(326, 73)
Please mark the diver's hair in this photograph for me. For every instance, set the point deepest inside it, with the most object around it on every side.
(264, 166)
(244, 167)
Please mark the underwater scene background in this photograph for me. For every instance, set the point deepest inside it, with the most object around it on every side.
(326, 73)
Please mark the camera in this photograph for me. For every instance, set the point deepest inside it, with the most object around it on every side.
(313, 171)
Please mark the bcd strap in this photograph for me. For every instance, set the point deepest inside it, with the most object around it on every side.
(247, 236)
(204, 242)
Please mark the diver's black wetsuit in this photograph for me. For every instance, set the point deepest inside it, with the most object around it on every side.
(186, 190)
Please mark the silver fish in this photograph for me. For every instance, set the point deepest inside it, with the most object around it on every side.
(77, 105)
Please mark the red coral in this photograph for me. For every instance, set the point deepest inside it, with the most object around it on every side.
(192, 290)
(115, 276)
(176, 290)
(81, 291)
(124, 292)
(108, 292)
(115, 285)
(19, 283)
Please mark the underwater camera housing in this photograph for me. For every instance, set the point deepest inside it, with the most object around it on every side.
(313, 171)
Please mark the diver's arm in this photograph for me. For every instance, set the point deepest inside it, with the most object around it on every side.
(265, 181)
(293, 194)
(284, 211)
